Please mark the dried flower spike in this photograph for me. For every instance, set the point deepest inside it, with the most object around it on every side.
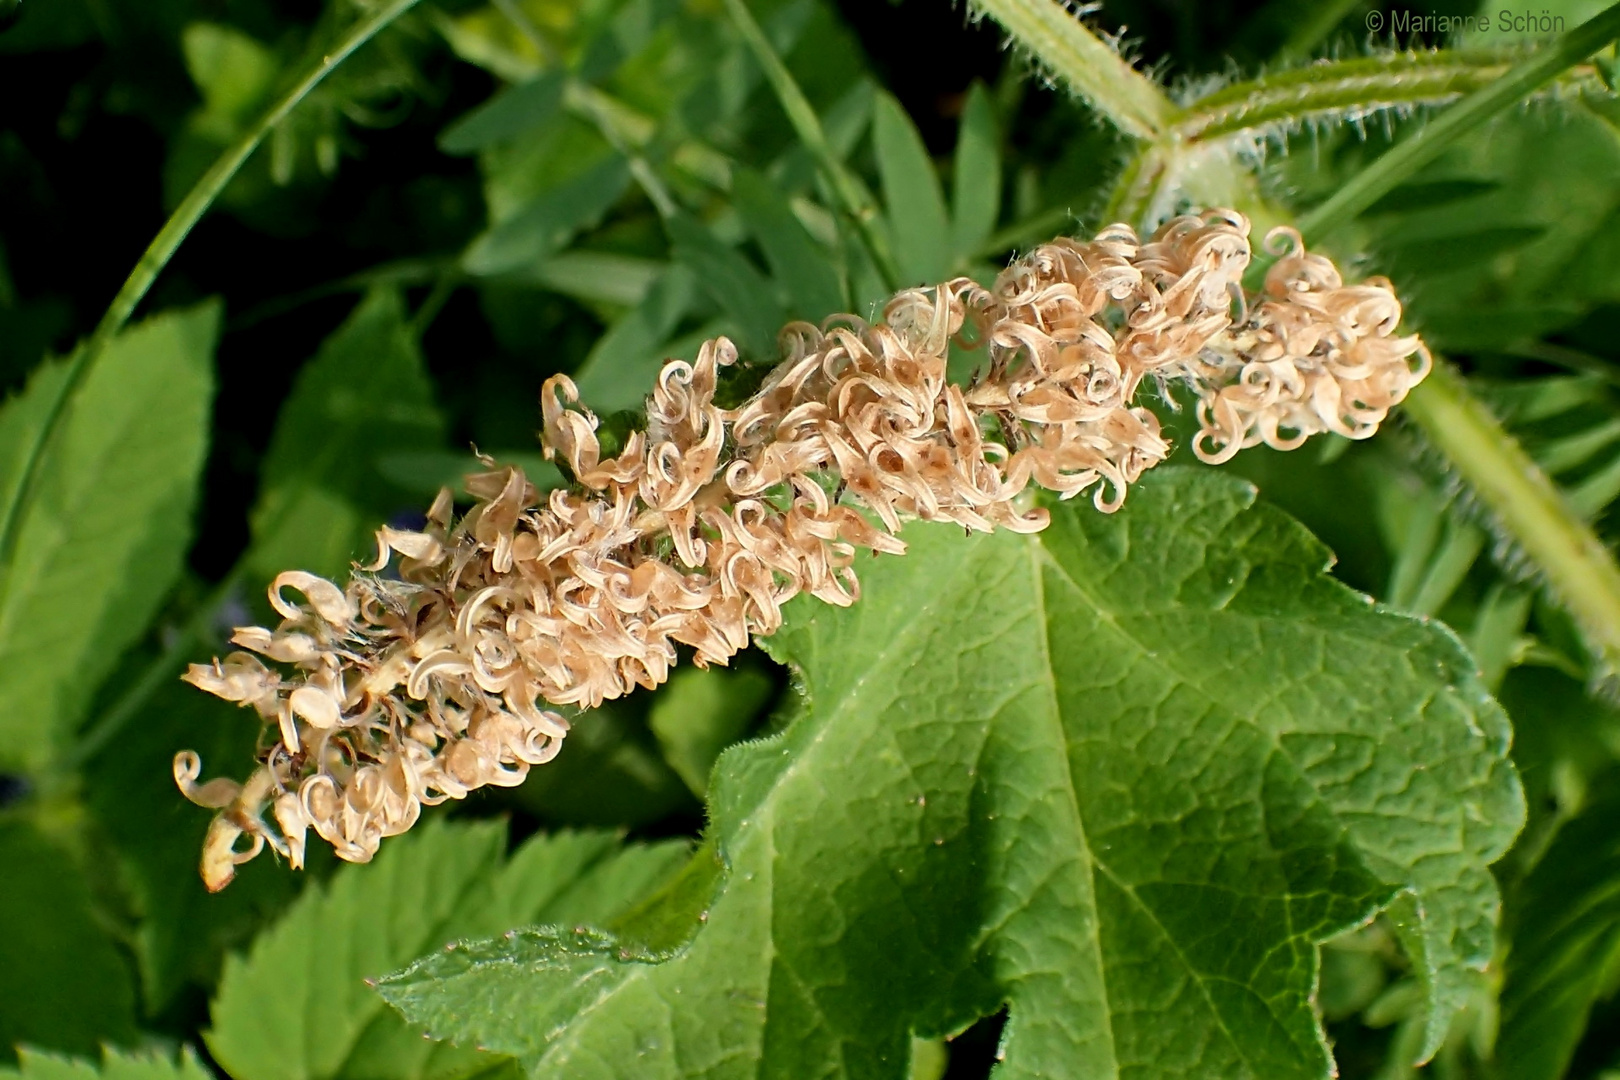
(396, 692)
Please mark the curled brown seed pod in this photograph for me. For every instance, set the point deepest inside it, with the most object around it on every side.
(398, 692)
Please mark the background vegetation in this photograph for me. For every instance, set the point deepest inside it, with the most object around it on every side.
(485, 194)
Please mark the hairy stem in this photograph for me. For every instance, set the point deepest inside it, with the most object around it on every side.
(1580, 572)
(162, 249)
(1136, 185)
(1089, 66)
(1343, 89)
(1425, 144)
(1578, 569)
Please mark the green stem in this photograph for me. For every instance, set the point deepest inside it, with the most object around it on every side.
(162, 249)
(1578, 569)
(1135, 186)
(436, 298)
(1350, 88)
(808, 127)
(1426, 143)
(1090, 66)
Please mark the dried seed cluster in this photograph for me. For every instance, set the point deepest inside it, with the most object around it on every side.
(404, 690)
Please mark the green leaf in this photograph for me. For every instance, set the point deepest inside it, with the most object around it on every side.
(235, 74)
(599, 278)
(1124, 777)
(513, 112)
(550, 220)
(114, 1065)
(1564, 922)
(801, 266)
(105, 535)
(976, 187)
(63, 985)
(732, 281)
(298, 1008)
(365, 394)
(700, 713)
(911, 196)
(621, 367)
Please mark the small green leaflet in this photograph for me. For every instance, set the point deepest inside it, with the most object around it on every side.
(702, 711)
(625, 360)
(510, 114)
(976, 183)
(1123, 777)
(801, 266)
(911, 194)
(546, 224)
(114, 1065)
(105, 533)
(298, 1008)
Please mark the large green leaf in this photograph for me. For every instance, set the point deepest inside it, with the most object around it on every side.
(1123, 777)
(366, 394)
(63, 984)
(298, 1008)
(114, 1066)
(104, 536)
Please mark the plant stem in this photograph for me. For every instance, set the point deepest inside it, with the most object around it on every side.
(162, 249)
(1090, 67)
(1135, 186)
(1350, 89)
(1425, 144)
(1578, 569)
(808, 127)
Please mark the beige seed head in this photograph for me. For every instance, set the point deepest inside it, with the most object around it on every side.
(395, 693)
